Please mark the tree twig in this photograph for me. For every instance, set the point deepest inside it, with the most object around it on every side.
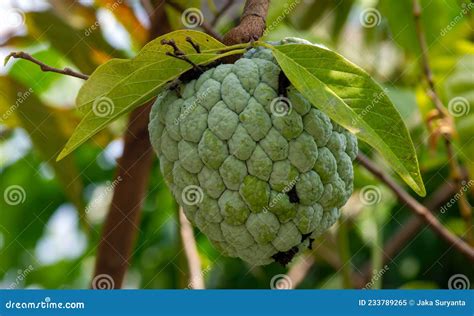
(65, 71)
(252, 23)
(445, 118)
(418, 208)
(196, 280)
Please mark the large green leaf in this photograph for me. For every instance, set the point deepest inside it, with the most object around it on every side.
(119, 86)
(354, 100)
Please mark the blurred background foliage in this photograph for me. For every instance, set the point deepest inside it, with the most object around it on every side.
(50, 238)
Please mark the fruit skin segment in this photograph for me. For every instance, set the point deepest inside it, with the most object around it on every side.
(261, 174)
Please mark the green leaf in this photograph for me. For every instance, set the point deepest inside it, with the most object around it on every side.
(119, 86)
(350, 97)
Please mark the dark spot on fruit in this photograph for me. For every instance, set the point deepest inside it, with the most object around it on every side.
(283, 83)
(305, 236)
(293, 196)
(284, 257)
(310, 246)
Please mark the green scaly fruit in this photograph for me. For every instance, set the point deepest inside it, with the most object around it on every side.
(260, 174)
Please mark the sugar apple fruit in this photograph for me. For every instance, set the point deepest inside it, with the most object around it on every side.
(260, 174)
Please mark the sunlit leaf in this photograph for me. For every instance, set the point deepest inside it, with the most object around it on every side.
(353, 99)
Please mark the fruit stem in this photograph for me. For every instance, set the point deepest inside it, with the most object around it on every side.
(227, 48)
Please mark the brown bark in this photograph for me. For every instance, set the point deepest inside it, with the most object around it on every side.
(252, 23)
(133, 170)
